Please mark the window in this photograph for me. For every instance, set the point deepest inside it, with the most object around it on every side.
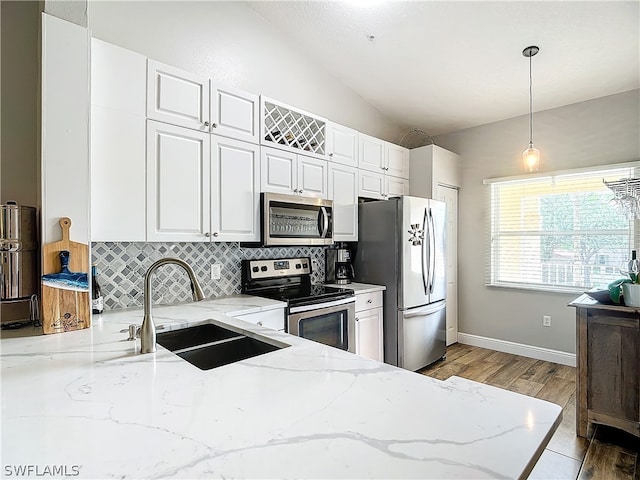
(560, 232)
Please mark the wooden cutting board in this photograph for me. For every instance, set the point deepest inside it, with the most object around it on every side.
(65, 287)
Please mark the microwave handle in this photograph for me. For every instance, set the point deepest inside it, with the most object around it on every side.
(325, 222)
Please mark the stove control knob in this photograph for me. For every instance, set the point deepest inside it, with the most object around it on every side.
(304, 265)
(255, 269)
(263, 268)
(298, 265)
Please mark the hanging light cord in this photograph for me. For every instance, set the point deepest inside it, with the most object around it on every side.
(530, 104)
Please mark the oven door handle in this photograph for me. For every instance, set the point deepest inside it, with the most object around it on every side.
(318, 306)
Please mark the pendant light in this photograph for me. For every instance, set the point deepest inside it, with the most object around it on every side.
(531, 156)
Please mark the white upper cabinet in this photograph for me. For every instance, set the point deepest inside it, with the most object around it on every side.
(342, 144)
(312, 177)
(235, 113)
(235, 190)
(292, 174)
(118, 92)
(379, 186)
(178, 184)
(371, 153)
(395, 187)
(279, 171)
(396, 160)
(377, 155)
(371, 185)
(177, 97)
(431, 166)
(343, 190)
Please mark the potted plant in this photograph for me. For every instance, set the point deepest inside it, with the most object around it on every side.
(629, 288)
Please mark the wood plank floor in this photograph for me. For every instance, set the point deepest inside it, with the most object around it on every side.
(608, 453)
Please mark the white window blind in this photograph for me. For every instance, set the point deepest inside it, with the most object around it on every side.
(560, 232)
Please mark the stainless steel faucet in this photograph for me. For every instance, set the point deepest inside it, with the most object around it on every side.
(148, 328)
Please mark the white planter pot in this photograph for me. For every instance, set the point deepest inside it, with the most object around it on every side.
(631, 294)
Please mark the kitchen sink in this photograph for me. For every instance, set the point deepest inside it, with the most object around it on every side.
(209, 345)
(194, 336)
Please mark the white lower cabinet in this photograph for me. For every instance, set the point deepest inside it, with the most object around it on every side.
(270, 318)
(292, 174)
(369, 333)
(343, 190)
(200, 187)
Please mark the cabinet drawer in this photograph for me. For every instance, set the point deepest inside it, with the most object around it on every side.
(365, 301)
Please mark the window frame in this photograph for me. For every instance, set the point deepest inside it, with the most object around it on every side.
(492, 249)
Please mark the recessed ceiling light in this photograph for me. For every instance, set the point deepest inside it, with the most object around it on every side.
(371, 37)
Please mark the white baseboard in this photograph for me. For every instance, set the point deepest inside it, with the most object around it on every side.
(539, 353)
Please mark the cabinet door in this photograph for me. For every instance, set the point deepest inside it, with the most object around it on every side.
(118, 92)
(370, 153)
(395, 187)
(278, 171)
(312, 177)
(234, 113)
(370, 185)
(396, 160)
(343, 190)
(177, 97)
(342, 144)
(178, 184)
(369, 334)
(235, 190)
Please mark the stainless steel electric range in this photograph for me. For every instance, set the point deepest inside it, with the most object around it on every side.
(316, 312)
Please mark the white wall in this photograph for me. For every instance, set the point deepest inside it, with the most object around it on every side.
(596, 132)
(233, 45)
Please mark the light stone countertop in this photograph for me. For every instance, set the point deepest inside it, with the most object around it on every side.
(359, 288)
(86, 402)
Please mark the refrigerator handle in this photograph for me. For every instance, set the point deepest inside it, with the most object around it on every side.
(432, 251)
(425, 230)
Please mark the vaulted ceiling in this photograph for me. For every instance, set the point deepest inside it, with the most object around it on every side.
(442, 66)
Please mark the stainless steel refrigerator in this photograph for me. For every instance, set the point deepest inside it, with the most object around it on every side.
(401, 244)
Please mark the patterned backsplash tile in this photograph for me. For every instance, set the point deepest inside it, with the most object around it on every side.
(122, 265)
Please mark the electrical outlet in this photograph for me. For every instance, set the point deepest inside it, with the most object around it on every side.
(546, 321)
(216, 270)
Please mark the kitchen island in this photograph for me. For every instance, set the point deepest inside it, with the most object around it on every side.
(87, 402)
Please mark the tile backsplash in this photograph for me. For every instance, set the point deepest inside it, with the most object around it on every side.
(122, 265)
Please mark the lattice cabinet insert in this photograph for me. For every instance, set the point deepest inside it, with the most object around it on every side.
(292, 129)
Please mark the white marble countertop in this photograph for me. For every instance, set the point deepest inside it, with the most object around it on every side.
(360, 287)
(86, 402)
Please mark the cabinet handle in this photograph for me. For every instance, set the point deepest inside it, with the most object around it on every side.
(215, 234)
(369, 301)
(357, 319)
(331, 154)
(300, 191)
(295, 190)
(206, 124)
(214, 125)
(207, 234)
(259, 323)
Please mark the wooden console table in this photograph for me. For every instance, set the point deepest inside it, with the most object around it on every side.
(608, 362)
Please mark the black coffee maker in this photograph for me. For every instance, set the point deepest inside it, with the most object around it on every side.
(339, 268)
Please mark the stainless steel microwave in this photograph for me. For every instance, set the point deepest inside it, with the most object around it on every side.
(296, 220)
